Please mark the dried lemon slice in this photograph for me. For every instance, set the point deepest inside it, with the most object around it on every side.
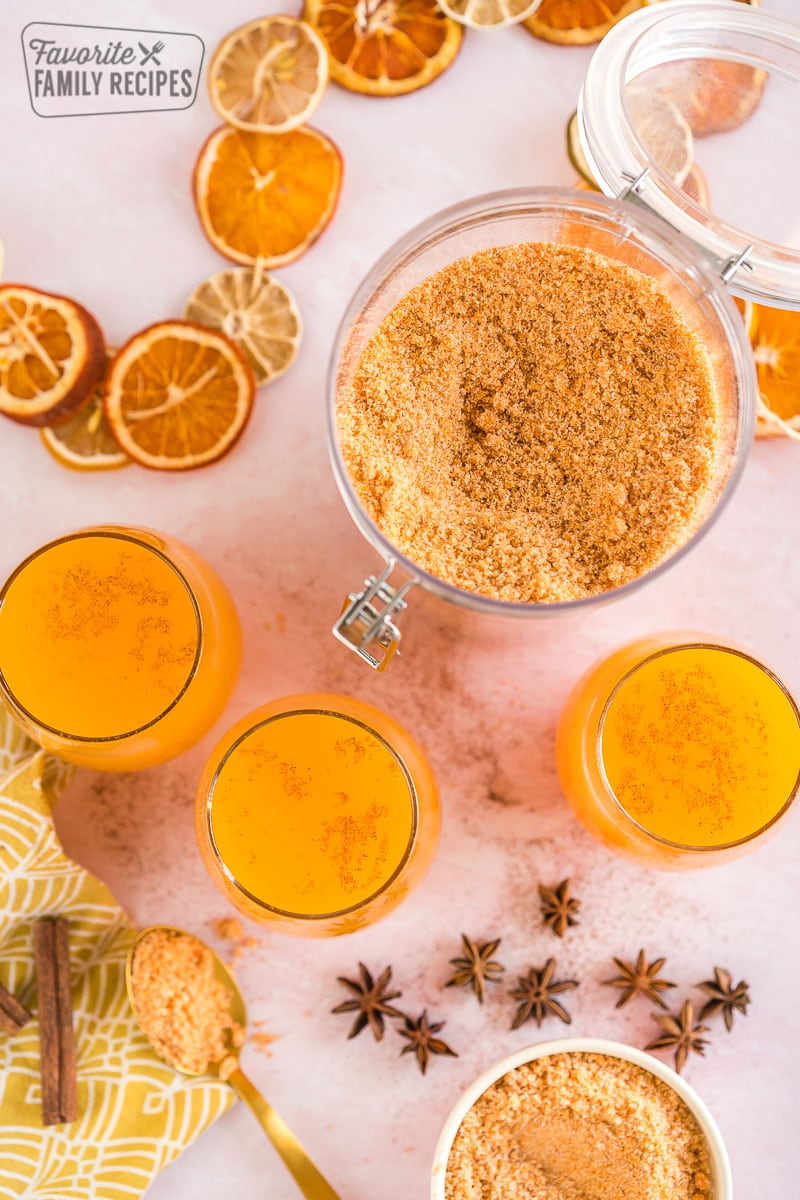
(576, 154)
(84, 442)
(489, 14)
(662, 130)
(269, 76)
(256, 312)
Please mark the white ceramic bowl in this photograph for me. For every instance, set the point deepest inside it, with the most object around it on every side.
(720, 1165)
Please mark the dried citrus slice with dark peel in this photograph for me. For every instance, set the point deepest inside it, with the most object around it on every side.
(256, 312)
(265, 197)
(178, 396)
(84, 441)
(385, 47)
(578, 22)
(51, 355)
(489, 14)
(269, 76)
(775, 336)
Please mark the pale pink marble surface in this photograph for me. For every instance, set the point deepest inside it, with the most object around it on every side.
(101, 209)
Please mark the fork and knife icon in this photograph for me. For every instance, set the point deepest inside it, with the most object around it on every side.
(151, 55)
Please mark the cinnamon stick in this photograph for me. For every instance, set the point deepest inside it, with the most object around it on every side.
(59, 1069)
(13, 1015)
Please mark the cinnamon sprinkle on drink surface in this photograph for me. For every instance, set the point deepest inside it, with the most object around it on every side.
(534, 423)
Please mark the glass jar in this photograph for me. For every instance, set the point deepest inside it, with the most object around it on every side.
(646, 221)
(317, 814)
(680, 751)
(119, 647)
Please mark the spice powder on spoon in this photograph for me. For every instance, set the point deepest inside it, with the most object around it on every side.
(534, 423)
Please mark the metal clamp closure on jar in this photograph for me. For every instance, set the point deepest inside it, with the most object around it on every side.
(367, 620)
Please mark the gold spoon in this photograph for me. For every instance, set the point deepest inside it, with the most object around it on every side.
(301, 1168)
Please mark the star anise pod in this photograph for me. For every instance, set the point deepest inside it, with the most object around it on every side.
(559, 909)
(724, 997)
(371, 1001)
(537, 991)
(422, 1042)
(639, 979)
(477, 967)
(680, 1033)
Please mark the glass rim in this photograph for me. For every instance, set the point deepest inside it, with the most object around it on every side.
(228, 874)
(658, 238)
(684, 846)
(124, 536)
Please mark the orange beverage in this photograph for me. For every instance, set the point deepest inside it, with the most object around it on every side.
(679, 754)
(317, 814)
(118, 647)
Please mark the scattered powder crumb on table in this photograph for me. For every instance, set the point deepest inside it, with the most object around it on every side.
(230, 929)
(262, 1039)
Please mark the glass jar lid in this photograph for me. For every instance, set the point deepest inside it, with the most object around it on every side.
(691, 110)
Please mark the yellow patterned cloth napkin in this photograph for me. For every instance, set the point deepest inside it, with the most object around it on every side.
(135, 1115)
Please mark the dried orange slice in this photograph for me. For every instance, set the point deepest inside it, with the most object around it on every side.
(489, 14)
(256, 312)
(696, 186)
(269, 76)
(51, 355)
(385, 47)
(84, 442)
(265, 197)
(178, 396)
(775, 336)
(713, 95)
(578, 22)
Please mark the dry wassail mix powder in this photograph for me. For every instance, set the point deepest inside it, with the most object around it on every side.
(533, 423)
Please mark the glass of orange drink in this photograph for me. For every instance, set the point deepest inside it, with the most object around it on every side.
(119, 647)
(317, 814)
(680, 752)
